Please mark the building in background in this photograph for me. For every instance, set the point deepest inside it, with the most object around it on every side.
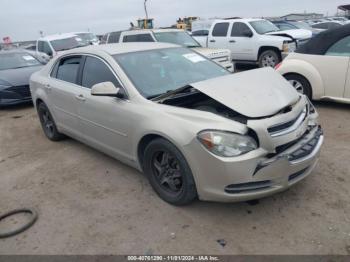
(302, 16)
(345, 9)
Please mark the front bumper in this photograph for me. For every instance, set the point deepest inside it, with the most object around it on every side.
(256, 174)
(15, 95)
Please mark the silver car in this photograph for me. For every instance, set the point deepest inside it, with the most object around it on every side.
(193, 128)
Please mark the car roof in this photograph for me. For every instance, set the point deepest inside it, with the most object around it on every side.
(121, 48)
(57, 36)
(240, 20)
(319, 44)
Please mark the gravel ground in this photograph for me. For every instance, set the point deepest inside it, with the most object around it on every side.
(89, 203)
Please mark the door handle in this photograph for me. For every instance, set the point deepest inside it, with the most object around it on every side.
(212, 41)
(232, 41)
(80, 97)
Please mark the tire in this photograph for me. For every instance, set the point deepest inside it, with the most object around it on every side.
(300, 83)
(269, 58)
(168, 173)
(48, 124)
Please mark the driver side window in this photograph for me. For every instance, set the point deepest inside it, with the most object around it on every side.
(340, 48)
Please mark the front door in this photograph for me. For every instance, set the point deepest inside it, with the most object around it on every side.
(104, 121)
(241, 42)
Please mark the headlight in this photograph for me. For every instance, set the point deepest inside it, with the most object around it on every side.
(226, 144)
(288, 47)
(4, 84)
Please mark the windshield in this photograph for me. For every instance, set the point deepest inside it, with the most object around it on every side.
(302, 25)
(264, 26)
(17, 60)
(166, 69)
(65, 44)
(86, 38)
(178, 38)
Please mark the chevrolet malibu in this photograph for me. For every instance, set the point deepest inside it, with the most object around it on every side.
(193, 128)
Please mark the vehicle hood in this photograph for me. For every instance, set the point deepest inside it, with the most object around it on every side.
(19, 76)
(294, 33)
(255, 93)
(211, 52)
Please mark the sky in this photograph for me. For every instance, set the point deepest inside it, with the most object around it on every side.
(23, 20)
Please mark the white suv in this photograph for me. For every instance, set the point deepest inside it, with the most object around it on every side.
(251, 40)
(173, 36)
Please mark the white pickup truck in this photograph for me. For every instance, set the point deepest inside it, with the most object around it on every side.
(251, 40)
(174, 36)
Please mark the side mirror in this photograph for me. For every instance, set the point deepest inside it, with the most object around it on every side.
(106, 89)
(248, 33)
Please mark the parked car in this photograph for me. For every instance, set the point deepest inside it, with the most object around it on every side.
(86, 38)
(54, 44)
(327, 25)
(292, 25)
(320, 68)
(253, 40)
(340, 19)
(193, 128)
(16, 67)
(173, 36)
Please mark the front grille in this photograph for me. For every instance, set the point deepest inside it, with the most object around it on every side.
(282, 128)
(23, 91)
(248, 187)
(307, 148)
(220, 59)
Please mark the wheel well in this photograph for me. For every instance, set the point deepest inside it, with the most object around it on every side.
(297, 74)
(143, 144)
(265, 48)
(38, 101)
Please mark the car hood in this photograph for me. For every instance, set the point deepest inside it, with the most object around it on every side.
(255, 93)
(211, 53)
(294, 33)
(18, 76)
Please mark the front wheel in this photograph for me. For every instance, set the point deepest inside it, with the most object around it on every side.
(300, 84)
(269, 58)
(168, 172)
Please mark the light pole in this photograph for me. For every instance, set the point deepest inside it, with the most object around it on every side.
(145, 5)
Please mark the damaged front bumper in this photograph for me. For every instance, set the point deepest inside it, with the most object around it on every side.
(256, 174)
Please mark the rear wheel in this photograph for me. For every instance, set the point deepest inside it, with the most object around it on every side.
(300, 84)
(169, 173)
(269, 58)
(48, 124)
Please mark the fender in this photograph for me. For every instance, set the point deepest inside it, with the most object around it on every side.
(307, 70)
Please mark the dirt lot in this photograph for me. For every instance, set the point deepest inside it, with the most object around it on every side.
(89, 203)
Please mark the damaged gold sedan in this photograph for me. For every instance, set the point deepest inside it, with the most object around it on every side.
(192, 127)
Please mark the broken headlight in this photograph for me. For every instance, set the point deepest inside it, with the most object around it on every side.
(226, 144)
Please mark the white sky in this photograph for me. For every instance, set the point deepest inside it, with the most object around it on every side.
(23, 19)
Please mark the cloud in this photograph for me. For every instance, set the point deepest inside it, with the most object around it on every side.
(22, 20)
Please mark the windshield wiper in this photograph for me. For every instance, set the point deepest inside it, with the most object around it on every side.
(170, 93)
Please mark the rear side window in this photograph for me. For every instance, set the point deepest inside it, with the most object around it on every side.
(67, 69)
(200, 33)
(96, 71)
(340, 48)
(239, 29)
(138, 38)
(220, 29)
(114, 37)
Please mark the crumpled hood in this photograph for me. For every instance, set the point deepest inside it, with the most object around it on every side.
(18, 76)
(255, 93)
(211, 52)
(294, 33)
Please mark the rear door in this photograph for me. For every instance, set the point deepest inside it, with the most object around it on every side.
(104, 121)
(218, 35)
(64, 92)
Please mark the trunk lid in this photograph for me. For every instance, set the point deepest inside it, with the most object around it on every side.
(255, 93)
